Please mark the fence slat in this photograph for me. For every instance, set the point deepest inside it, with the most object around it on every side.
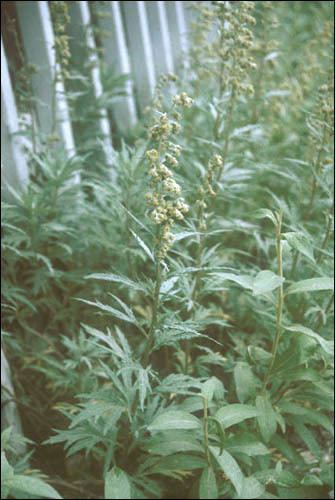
(81, 30)
(115, 55)
(160, 37)
(142, 59)
(38, 40)
(15, 170)
(178, 31)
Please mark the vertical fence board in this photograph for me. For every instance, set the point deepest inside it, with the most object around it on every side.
(178, 31)
(146, 38)
(38, 39)
(81, 30)
(140, 50)
(15, 170)
(9, 412)
(115, 55)
(160, 37)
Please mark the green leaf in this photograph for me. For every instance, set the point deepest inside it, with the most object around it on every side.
(251, 489)
(208, 488)
(266, 417)
(107, 339)
(306, 435)
(174, 419)
(171, 442)
(246, 443)
(265, 282)
(117, 485)
(178, 462)
(143, 246)
(168, 285)
(257, 354)
(143, 386)
(116, 279)
(5, 436)
(95, 409)
(7, 471)
(230, 467)
(219, 430)
(235, 413)
(243, 280)
(311, 285)
(111, 310)
(326, 345)
(308, 415)
(289, 451)
(212, 387)
(265, 213)
(245, 382)
(32, 486)
(298, 241)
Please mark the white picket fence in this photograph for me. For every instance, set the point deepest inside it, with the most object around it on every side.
(145, 39)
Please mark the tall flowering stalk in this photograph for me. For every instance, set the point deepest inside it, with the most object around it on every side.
(60, 18)
(205, 193)
(222, 54)
(165, 203)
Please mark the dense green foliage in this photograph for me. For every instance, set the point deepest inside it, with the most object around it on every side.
(179, 344)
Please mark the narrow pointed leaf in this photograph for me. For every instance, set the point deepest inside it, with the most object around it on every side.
(117, 486)
(208, 488)
(174, 419)
(230, 467)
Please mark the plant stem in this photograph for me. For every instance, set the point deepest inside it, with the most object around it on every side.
(328, 306)
(226, 137)
(206, 436)
(326, 238)
(280, 300)
(201, 243)
(258, 88)
(156, 302)
(221, 87)
(294, 262)
(316, 168)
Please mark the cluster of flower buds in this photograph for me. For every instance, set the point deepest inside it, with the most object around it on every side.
(166, 205)
(163, 83)
(183, 100)
(232, 21)
(326, 100)
(61, 18)
(215, 164)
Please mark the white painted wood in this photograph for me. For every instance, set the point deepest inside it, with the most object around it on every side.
(116, 56)
(190, 13)
(84, 49)
(38, 40)
(160, 37)
(9, 411)
(141, 53)
(14, 170)
(178, 32)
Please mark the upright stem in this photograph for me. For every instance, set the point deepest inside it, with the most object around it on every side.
(327, 309)
(221, 88)
(226, 138)
(206, 435)
(316, 169)
(201, 242)
(326, 237)
(156, 301)
(280, 301)
(294, 262)
(258, 88)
